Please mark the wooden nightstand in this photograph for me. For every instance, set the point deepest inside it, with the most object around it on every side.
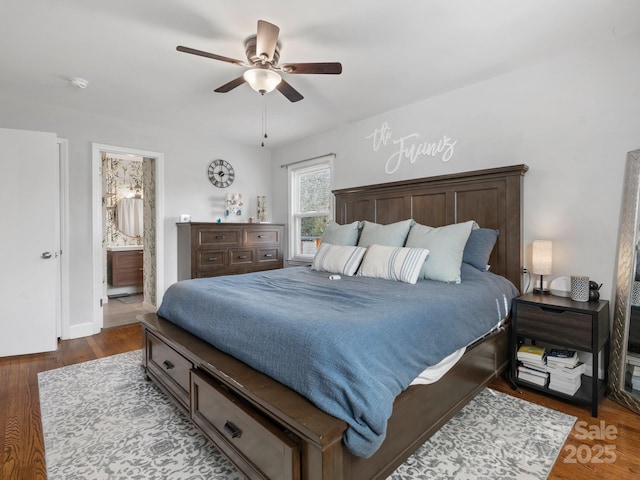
(559, 321)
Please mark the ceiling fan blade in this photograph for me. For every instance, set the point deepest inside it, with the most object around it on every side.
(331, 68)
(193, 51)
(288, 91)
(236, 82)
(266, 40)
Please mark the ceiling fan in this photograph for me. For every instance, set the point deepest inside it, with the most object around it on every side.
(263, 53)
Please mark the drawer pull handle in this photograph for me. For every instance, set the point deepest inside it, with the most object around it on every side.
(168, 365)
(232, 429)
(268, 255)
(219, 237)
(261, 236)
(212, 259)
(242, 257)
(140, 269)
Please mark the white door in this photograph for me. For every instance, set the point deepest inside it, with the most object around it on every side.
(29, 243)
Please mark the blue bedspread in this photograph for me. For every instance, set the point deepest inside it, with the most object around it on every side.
(350, 345)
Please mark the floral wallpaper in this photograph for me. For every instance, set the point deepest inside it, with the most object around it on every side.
(121, 178)
(149, 281)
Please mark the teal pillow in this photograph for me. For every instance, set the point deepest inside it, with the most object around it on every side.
(392, 235)
(446, 247)
(337, 234)
(479, 247)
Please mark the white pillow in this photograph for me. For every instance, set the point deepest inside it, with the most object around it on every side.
(342, 259)
(393, 263)
(446, 248)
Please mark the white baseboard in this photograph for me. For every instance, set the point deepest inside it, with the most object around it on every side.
(82, 330)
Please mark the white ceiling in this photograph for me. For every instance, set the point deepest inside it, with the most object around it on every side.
(393, 53)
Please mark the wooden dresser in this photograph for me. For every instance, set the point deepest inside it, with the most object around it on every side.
(212, 249)
(124, 267)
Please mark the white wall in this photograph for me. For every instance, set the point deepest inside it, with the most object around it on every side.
(571, 120)
(187, 188)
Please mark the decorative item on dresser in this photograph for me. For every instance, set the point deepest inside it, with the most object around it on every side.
(125, 267)
(212, 249)
(560, 321)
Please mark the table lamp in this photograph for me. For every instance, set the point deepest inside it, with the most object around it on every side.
(541, 262)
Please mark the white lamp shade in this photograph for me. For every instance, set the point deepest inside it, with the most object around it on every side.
(541, 257)
(262, 80)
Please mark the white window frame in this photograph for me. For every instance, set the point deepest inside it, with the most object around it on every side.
(295, 170)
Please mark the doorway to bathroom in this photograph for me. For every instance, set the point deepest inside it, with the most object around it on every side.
(127, 233)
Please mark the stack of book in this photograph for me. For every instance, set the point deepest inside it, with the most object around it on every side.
(532, 367)
(565, 371)
(633, 372)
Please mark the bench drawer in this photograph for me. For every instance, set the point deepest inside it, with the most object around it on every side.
(169, 367)
(241, 432)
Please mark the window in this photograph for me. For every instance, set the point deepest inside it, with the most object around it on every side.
(311, 205)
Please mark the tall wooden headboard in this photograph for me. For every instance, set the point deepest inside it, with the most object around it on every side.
(491, 197)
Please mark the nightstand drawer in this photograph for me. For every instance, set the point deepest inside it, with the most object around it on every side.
(571, 329)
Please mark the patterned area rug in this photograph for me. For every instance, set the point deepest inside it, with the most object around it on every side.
(103, 420)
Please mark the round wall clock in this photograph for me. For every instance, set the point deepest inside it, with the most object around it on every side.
(221, 173)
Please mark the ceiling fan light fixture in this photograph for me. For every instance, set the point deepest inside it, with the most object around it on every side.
(262, 80)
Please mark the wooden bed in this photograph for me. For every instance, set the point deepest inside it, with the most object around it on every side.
(269, 431)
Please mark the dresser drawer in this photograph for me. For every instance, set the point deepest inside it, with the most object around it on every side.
(241, 256)
(262, 236)
(211, 259)
(218, 236)
(555, 325)
(239, 430)
(169, 367)
(268, 255)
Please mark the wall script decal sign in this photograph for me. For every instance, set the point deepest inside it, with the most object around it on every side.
(408, 147)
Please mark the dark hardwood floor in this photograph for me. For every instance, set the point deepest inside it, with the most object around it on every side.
(21, 439)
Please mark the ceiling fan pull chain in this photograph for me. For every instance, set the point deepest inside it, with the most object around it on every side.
(264, 118)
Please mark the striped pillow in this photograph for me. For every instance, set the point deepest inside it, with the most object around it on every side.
(393, 263)
(343, 259)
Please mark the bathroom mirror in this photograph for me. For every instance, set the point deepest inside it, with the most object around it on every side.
(128, 216)
(624, 374)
